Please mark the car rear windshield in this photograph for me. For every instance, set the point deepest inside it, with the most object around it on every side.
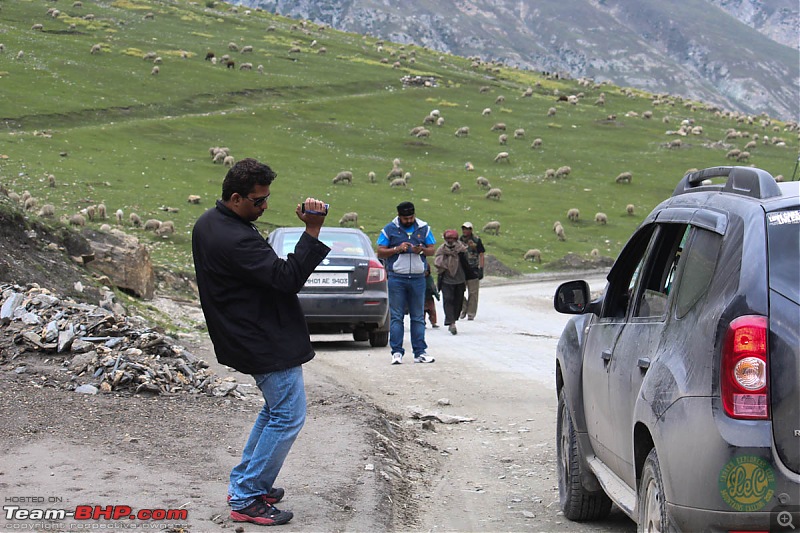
(341, 244)
(783, 234)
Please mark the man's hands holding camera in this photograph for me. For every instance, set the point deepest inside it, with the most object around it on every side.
(312, 212)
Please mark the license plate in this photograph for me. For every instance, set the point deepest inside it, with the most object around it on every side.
(328, 279)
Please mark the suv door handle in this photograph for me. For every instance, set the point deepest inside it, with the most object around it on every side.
(606, 355)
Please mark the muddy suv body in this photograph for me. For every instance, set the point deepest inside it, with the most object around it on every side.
(679, 387)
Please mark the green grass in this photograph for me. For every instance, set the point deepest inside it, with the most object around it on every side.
(112, 132)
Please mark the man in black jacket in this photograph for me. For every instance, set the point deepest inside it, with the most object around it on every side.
(254, 319)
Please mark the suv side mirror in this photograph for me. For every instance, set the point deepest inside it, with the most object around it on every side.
(572, 297)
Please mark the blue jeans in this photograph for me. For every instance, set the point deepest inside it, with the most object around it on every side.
(407, 292)
(272, 436)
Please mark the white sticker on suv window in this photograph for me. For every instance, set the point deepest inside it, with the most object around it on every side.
(783, 217)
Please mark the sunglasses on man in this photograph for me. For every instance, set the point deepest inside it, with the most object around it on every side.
(257, 202)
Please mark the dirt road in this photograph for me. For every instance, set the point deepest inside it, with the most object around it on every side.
(365, 461)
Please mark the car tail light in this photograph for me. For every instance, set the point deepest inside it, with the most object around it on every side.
(743, 382)
(376, 272)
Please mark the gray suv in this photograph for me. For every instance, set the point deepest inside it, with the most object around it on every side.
(679, 387)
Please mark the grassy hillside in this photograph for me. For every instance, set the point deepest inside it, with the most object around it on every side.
(112, 132)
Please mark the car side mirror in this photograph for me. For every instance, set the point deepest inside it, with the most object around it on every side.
(572, 297)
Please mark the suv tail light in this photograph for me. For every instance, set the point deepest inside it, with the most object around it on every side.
(376, 272)
(743, 368)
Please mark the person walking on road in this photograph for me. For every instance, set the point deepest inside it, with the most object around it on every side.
(249, 299)
(404, 243)
(451, 263)
(475, 258)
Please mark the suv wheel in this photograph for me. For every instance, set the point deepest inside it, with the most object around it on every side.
(576, 502)
(360, 334)
(378, 339)
(652, 503)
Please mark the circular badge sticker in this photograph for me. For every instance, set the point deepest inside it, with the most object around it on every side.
(747, 483)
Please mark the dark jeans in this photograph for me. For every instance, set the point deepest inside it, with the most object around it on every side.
(452, 298)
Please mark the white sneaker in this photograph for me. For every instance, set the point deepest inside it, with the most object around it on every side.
(423, 358)
(397, 358)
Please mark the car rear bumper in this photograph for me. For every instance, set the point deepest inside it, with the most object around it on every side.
(693, 519)
(368, 309)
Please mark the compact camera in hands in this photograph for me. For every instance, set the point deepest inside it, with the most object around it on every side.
(314, 212)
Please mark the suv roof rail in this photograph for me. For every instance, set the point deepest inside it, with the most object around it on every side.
(746, 181)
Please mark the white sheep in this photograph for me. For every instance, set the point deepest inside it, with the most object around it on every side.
(77, 220)
(534, 254)
(502, 139)
(352, 216)
(423, 133)
(493, 194)
(551, 112)
(624, 177)
(463, 131)
(486, 112)
(47, 210)
(149, 15)
(51, 180)
(440, 121)
(96, 49)
(563, 172)
(398, 182)
(371, 177)
(560, 233)
(37, 27)
(519, 133)
(396, 172)
(492, 227)
(136, 221)
(30, 204)
(574, 214)
(556, 224)
(343, 176)
(105, 228)
(193, 199)
(119, 214)
(152, 224)
(500, 99)
(601, 218)
(528, 92)
(228, 161)
(455, 187)
(90, 212)
(155, 70)
(500, 126)
(537, 143)
(630, 209)
(246, 66)
(407, 176)
(165, 229)
(246, 49)
(469, 166)
(595, 252)
(233, 47)
(502, 156)
(101, 211)
(550, 173)
(483, 182)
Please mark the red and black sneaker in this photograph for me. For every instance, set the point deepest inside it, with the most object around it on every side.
(274, 495)
(260, 512)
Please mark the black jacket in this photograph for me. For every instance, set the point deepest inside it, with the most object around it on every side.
(249, 294)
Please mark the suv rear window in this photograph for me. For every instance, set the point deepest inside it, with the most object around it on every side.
(783, 242)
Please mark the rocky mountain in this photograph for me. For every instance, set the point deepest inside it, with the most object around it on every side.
(738, 54)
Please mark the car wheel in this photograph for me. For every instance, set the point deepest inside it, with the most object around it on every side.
(652, 503)
(576, 502)
(378, 339)
(360, 334)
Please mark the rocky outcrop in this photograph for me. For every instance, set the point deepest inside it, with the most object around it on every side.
(123, 259)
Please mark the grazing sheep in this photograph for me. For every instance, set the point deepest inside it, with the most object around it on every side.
(468, 166)
(733, 154)
(14, 196)
(423, 133)
(486, 112)
(537, 143)
(96, 49)
(165, 229)
(573, 214)
(502, 156)
(483, 182)
(352, 216)
(534, 254)
(493, 194)
(484, 89)
(503, 139)
(136, 222)
(260, 69)
(152, 224)
(528, 92)
(233, 47)
(77, 220)
(228, 161)
(51, 180)
(630, 209)
(371, 177)
(158, 60)
(155, 70)
(551, 112)
(105, 228)
(47, 210)
(550, 173)
(246, 66)
(193, 199)
(556, 225)
(407, 176)
(601, 218)
(246, 49)
(519, 133)
(119, 214)
(492, 227)
(595, 252)
(500, 99)
(38, 27)
(344, 176)
(429, 119)
(463, 131)
(415, 130)
(624, 177)
(500, 126)
(455, 187)
(560, 233)
(675, 143)
(101, 211)
(90, 212)
(149, 16)
(30, 204)
(77, 4)
(219, 157)
(396, 172)
(398, 182)
(20, 55)
(743, 157)
(563, 172)
(440, 122)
